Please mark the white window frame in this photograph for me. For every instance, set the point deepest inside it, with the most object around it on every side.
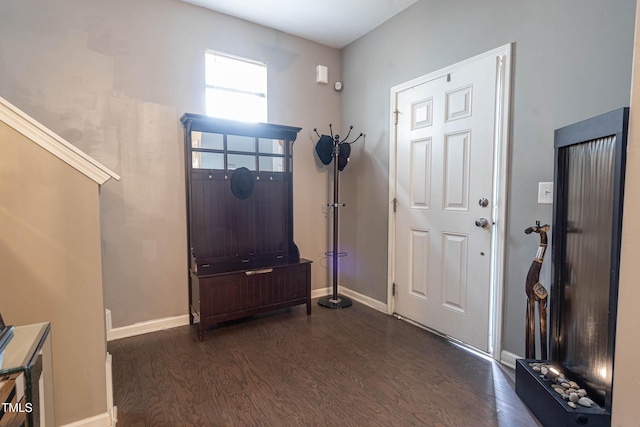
(237, 100)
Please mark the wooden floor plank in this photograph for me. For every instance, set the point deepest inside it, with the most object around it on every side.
(350, 367)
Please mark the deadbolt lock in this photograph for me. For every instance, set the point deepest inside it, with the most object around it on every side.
(483, 202)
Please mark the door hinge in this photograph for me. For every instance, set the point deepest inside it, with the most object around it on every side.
(394, 290)
(395, 204)
(396, 112)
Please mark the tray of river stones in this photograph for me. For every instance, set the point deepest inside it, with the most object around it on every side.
(569, 390)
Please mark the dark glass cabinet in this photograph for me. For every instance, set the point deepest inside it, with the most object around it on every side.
(26, 377)
(239, 186)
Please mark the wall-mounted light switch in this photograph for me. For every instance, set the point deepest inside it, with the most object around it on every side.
(545, 192)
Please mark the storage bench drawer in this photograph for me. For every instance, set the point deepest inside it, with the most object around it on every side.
(228, 296)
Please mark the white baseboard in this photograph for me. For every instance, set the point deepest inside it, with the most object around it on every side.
(102, 420)
(363, 299)
(146, 327)
(173, 322)
(356, 296)
(322, 292)
(509, 359)
(112, 410)
(107, 319)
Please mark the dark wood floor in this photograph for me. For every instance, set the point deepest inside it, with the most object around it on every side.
(350, 367)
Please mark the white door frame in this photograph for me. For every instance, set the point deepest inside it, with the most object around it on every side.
(501, 144)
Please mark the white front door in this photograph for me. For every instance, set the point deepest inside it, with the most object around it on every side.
(444, 190)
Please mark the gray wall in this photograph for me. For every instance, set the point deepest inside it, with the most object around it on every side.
(572, 60)
(113, 78)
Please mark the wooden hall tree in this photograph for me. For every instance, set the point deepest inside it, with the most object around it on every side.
(242, 258)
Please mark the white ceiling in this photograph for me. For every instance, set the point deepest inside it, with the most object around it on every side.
(334, 23)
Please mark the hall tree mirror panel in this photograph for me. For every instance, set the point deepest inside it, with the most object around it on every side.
(242, 258)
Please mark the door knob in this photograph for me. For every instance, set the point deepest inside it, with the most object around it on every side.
(482, 222)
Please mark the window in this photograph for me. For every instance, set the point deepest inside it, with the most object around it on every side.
(236, 88)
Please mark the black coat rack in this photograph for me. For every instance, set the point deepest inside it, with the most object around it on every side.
(332, 149)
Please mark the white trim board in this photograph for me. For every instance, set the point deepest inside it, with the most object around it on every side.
(173, 322)
(102, 420)
(147, 327)
(112, 410)
(322, 292)
(509, 359)
(54, 144)
(356, 296)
